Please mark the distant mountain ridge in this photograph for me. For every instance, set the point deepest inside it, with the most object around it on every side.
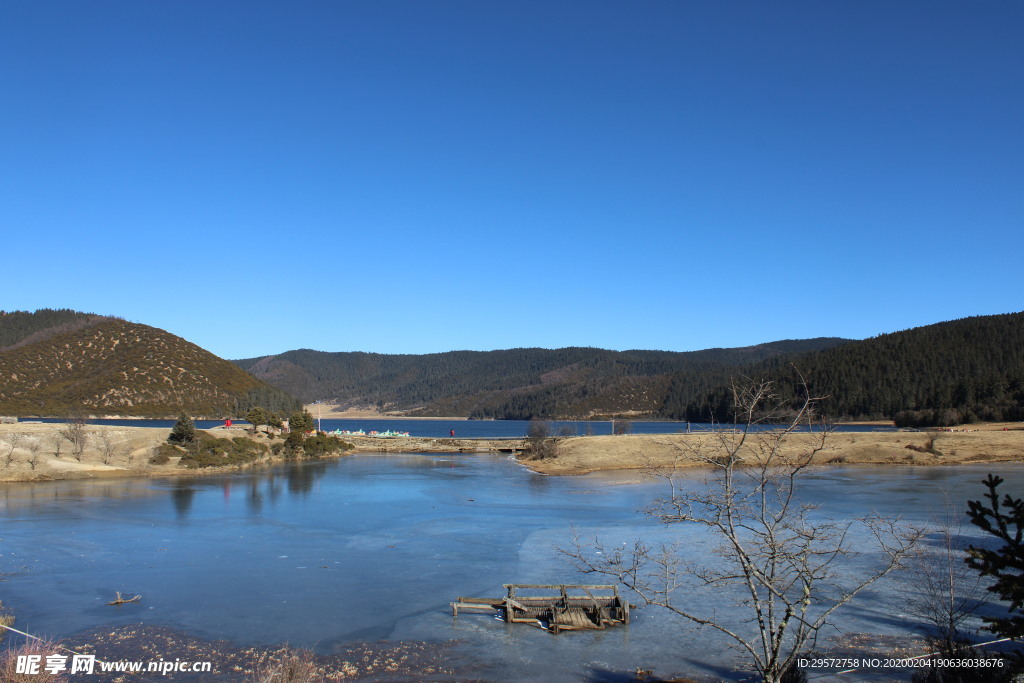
(574, 382)
(53, 363)
(949, 372)
(942, 374)
(56, 362)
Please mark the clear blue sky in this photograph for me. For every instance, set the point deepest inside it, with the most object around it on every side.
(428, 175)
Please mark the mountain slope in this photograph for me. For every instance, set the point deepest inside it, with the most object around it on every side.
(514, 383)
(18, 328)
(110, 366)
(966, 369)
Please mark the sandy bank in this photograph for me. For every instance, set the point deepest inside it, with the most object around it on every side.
(580, 455)
(36, 452)
(30, 451)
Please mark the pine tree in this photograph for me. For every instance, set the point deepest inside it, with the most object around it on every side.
(256, 416)
(301, 421)
(1005, 521)
(183, 432)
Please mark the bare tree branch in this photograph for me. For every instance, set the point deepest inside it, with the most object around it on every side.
(778, 561)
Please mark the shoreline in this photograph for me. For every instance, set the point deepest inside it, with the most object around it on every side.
(328, 413)
(112, 452)
(117, 451)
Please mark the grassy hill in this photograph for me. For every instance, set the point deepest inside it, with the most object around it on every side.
(507, 384)
(60, 362)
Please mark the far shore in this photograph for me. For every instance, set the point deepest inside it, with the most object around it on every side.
(118, 451)
(329, 412)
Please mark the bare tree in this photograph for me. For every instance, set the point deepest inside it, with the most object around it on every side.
(110, 448)
(539, 440)
(75, 434)
(56, 440)
(781, 564)
(945, 592)
(13, 443)
(33, 446)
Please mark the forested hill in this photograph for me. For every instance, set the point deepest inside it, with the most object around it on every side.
(941, 374)
(18, 328)
(57, 363)
(507, 384)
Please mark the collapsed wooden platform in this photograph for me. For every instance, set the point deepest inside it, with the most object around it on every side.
(572, 608)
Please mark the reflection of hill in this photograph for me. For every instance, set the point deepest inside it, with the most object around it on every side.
(258, 489)
(31, 496)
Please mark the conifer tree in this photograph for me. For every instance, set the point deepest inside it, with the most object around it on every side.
(1005, 521)
(183, 432)
(301, 421)
(256, 416)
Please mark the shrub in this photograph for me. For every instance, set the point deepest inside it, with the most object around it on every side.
(163, 453)
(209, 451)
(321, 444)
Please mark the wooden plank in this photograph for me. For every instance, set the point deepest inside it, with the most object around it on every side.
(518, 605)
(571, 607)
(481, 601)
(559, 586)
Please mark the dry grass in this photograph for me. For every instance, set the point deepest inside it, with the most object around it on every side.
(289, 665)
(575, 455)
(9, 661)
(579, 455)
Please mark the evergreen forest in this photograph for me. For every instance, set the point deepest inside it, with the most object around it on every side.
(953, 372)
(947, 373)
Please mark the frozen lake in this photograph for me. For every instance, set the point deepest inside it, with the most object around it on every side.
(374, 547)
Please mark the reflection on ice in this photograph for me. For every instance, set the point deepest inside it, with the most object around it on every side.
(374, 547)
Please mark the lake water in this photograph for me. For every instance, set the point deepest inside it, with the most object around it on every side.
(470, 429)
(374, 547)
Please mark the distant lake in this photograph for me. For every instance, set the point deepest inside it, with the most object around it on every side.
(373, 547)
(470, 429)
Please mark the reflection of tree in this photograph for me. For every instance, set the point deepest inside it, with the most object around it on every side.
(254, 499)
(182, 495)
(301, 477)
(273, 487)
(539, 484)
